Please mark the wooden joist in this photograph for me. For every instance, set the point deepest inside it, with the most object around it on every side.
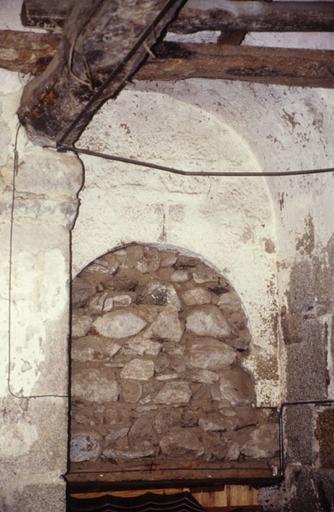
(222, 15)
(294, 67)
(103, 44)
(30, 53)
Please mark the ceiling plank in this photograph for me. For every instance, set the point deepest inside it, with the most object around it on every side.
(221, 15)
(282, 66)
(295, 67)
(103, 44)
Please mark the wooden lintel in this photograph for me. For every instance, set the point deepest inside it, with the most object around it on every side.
(99, 476)
(294, 67)
(103, 44)
(222, 15)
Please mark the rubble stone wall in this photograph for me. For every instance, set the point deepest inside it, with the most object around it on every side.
(158, 345)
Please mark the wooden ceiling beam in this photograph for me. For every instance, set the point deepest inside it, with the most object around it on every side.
(221, 15)
(281, 66)
(103, 44)
(295, 67)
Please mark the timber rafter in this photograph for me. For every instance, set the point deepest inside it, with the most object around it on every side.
(103, 44)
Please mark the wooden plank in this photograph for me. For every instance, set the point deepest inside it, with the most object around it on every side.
(99, 476)
(221, 15)
(27, 52)
(294, 67)
(103, 44)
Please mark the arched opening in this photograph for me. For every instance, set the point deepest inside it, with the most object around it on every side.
(159, 386)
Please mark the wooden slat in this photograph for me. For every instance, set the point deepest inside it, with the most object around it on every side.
(103, 44)
(224, 15)
(294, 67)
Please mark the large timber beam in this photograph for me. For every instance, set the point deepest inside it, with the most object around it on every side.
(222, 15)
(282, 66)
(295, 67)
(103, 44)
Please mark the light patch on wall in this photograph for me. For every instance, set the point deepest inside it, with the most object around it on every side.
(16, 439)
(34, 301)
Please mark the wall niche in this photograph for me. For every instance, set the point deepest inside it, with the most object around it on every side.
(159, 339)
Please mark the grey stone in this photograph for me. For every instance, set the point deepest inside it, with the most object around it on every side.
(262, 442)
(167, 376)
(210, 354)
(180, 276)
(96, 304)
(138, 369)
(82, 291)
(204, 275)
(142, 346)
(203, 376)
(167, 258)
(81, 325)
(181, 442)
(117, 431)
(196, 297)
(174, 393)
(233, 451)
(121, 300)
(98, 266)
(167, 326)
(131, 391)
(213, 423)
(93, 348)
(146, 450)
(164, 419)
(119, 324)
(134, 253)
(208, 321)
(230, 301)
(85, 446)
(142, 430)
(236, 387)
(161, 294)
(94, 386)
(150, 262)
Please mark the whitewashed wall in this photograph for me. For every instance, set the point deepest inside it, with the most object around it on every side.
(254, 230)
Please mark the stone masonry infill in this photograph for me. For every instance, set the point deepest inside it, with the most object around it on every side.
(158, 345)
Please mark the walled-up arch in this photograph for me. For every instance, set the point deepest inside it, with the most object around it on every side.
(228, 221)
(159, 348)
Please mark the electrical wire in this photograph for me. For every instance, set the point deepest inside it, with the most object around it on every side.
(182, 172)
(10, 280)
